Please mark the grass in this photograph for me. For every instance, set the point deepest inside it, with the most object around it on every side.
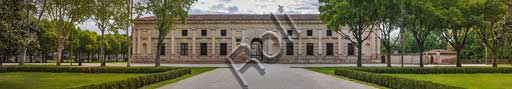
(46, 80)
(501, 65)
(195, 71)
(330, 71)
(472, 81)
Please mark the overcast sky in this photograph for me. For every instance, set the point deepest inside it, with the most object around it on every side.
(240, 7)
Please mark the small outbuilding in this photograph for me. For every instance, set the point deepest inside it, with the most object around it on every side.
(440, 56)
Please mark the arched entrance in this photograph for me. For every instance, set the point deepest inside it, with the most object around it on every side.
(256, 48)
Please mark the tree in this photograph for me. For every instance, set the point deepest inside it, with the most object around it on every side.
(166, 12)
(16, 27)
(47, 38)
(128, 24)
(87, 44)
(493, 14)
(388, 13)
(420, 19)
(61, 11)
(109, 15)
(358, 15)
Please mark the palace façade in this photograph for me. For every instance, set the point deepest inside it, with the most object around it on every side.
(209, 38)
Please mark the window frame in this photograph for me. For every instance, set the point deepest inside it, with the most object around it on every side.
(289, 32)
(204, 32)
(309, 32)
(329, 49)
(310, 49)
(223, 49)
(223, 33)
(289, 49)
(162, 49)
(328, 33)
(350, 49)
(184, 32)
(184, 49)
(203, 49)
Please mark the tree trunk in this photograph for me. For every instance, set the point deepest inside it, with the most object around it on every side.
(2, 61)
(388, 59)
(42, 57)
(494, 64)
(359, 56)
(158, 46)
(60, 41)
(24, 56)
(458, 59)
(117, 57)
(79, 59)
(102, 46)
(76, 57)
(421, 56)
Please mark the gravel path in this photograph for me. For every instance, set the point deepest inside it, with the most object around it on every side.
(276, 77)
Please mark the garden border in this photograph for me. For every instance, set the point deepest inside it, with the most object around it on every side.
(371, 75)
(156, 74)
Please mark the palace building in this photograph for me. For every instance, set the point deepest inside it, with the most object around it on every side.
(208, 38)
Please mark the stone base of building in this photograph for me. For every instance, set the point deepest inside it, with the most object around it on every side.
(282, 60)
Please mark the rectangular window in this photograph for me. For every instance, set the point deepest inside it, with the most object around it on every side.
(350, 49)
(184, 33)
(184, 49)
(238, 40)
(162, 49)
(309, 32)
(223, 49)
(204, 32)
(328, 33)
(289, 48)
(329, 49)
(290, 32)
(223, 33)
(203, 49)
(310, 49)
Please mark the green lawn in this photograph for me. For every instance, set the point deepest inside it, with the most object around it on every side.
(501, 65)
(472, 81)
(330, 71)
(46, 80)
(195, 71)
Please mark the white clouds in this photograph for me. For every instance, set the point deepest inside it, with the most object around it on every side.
(253, 6)
(240, 7)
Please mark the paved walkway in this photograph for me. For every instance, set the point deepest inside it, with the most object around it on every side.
(277, 76)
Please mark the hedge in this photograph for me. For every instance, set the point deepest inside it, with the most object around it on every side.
(437, 70)
(136, 82)
(85, 69)
(391, 81)
(156, 74)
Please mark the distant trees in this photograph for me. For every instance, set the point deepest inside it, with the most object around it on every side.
(424, 21)
(82, 45)
(15, 27)
(66, 13)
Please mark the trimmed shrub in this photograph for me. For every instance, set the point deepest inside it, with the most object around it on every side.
(391, 81)
(136, 82)
(436, 70)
